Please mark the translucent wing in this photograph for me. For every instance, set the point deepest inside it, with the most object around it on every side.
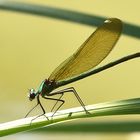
(91, 52)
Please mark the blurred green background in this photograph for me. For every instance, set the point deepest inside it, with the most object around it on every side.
(33, 46)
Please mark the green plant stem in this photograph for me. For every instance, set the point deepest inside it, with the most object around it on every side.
(64, 14)
(123, 107)
(97, 126)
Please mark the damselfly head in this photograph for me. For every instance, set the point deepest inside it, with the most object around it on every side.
(31, 94)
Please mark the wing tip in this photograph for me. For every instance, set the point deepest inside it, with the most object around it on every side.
(115, 20)
(114, 23)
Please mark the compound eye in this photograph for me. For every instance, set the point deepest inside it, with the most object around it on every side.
(32, 94)
(31, 91)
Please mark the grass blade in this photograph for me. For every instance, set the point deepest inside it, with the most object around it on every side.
(122, 107)
(67, 15)
(92, 127)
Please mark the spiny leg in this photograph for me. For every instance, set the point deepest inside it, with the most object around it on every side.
(56, 102)
(58, 107)
(39, 103)
(31, 110)
(71, 89)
